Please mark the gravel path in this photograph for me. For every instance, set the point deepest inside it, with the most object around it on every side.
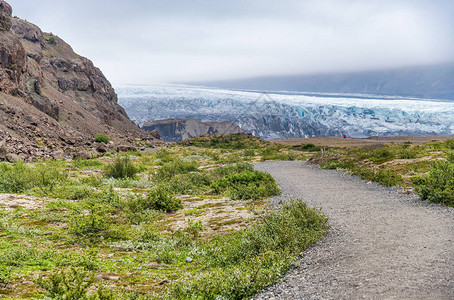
(382, 245)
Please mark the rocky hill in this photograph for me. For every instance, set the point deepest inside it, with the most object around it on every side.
(175, 130)
(53, 101)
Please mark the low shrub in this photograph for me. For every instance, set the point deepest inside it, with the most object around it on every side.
(450, 156)
(438, 185)
(72, 285)
(381, 155)
(310, 148)
(407, 153)
(157, 199)
(92, 219)
(122, 167)
(387, 178)
(189, 184)
(20, 178)
(102, 138)
(249, 185)
(449, 144)
(160, 199)
(52, 40)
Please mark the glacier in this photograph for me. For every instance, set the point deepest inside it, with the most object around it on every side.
(276, 115)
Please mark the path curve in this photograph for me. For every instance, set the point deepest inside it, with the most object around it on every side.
(382, 245)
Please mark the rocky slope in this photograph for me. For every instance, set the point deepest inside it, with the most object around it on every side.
(175, 130)
(53, 101)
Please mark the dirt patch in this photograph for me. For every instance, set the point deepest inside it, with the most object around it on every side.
(11, 201)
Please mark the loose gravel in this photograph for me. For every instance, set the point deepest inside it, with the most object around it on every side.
(383, 244)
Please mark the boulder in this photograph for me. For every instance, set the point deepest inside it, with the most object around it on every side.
(126, 148)
(11, 157)
(82, 154)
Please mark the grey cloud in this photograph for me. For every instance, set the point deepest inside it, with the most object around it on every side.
(160, 41)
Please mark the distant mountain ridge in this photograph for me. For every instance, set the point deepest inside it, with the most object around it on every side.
(432, 81)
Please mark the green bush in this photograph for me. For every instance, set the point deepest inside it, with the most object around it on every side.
(102, 138)
(387, 178)
(123, 167)
(160, 199)
(449, 144)
(438, 185)
(157, 199)
(450, 156)
(310, 148)
(249, 185)
(92, 220)
(189, 184)
(381, 155)
(407, 153)
(176, 167)
(246, 262)
(52, 40)
(72, 285)
(20, 178)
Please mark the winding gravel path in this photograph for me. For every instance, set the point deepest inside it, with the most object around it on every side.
(382, 245)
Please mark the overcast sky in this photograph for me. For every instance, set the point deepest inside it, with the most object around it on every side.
(148, 41)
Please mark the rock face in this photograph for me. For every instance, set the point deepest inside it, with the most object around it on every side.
(175, 130)
(51, 98)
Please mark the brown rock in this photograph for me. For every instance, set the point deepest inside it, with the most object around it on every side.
(155, 134)
(126, 148)
(5, 16)
(6, 8)
(11, 157)
(82, 154)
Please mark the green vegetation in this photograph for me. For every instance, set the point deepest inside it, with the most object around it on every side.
(102, 138)
(188, 221)
(247, 185)
(123, 167)
(438, 185)
(20, 178)
(243, 263)
(52, 40)
(132, 221)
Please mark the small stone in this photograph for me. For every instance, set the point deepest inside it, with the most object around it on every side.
(188, 260)
(110, 255)
(164, 281)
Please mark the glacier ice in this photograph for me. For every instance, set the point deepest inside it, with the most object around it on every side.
(274, 115)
